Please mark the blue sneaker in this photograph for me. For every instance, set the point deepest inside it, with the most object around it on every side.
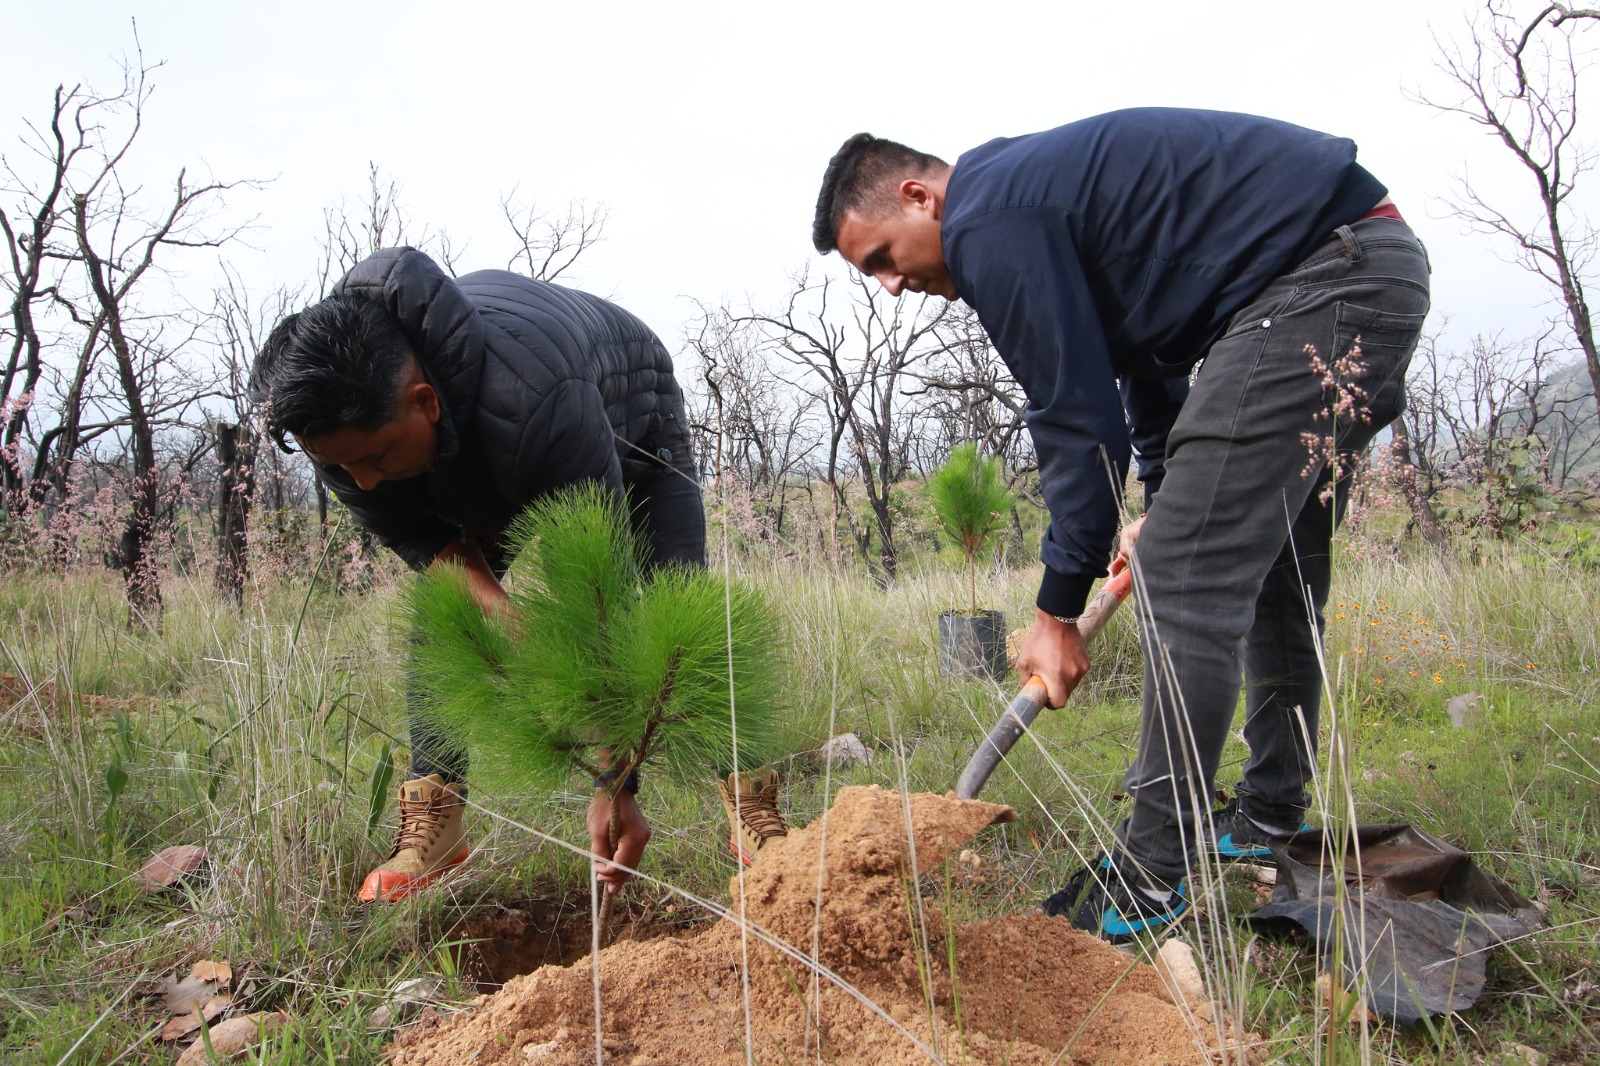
(1097, 900)
(1240, 838)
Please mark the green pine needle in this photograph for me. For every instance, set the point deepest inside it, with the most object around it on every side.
(675, 657)
(970, 500)
(969, 496)
(457, 650)
(600, 656)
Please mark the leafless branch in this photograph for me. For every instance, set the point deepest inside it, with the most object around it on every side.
(548, 245)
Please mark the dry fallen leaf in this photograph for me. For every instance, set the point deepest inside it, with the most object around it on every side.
(166, 868)
(205, 980)
(219, 972)
(233, 1036)
(182, 1025)
(181, 997)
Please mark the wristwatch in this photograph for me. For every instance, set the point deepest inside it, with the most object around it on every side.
(608, 777)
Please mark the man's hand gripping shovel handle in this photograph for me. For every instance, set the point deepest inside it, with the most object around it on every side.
(1026, 706)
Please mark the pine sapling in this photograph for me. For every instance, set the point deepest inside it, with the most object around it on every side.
(969, 500)
(601, 664)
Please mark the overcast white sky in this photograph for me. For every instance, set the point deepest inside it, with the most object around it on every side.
(705, 126)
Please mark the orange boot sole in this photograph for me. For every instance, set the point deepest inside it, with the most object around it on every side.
(389, 886)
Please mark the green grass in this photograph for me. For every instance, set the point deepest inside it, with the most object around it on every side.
(259, 732)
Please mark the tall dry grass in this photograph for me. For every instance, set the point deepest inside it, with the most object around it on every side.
(262, 733)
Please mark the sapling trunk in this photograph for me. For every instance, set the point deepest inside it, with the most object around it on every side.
(620, 774)
(972, 576)
(613, 834)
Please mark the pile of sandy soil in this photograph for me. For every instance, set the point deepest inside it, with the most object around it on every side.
(1023, 990)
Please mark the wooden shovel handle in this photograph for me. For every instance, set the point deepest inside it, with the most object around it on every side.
(1105, 603)
(1025, 708)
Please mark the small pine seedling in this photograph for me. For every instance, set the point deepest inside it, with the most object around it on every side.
(601, 663)
(969, 499)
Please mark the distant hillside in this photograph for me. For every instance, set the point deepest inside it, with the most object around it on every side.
(1570, 422)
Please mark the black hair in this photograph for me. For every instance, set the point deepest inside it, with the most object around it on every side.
(338, 363)
(857, 179)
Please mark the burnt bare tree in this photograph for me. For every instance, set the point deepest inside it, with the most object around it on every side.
(239, 327)
(92, 340)
(28, 239)
(857, 362)
(1408, 476)
(1517, 78)
(85, 137)
(753, 430)
(351, 233)
(972, 396)
(115, 267)
(235, 493)
(1492, 422)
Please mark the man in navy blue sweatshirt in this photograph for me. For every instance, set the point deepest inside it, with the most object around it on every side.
(1108, 259)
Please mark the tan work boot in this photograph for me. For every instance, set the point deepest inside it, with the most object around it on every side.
(431, 840)
(755, 819)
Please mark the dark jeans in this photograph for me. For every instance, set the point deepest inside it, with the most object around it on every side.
(1232, 568)
(665, 511)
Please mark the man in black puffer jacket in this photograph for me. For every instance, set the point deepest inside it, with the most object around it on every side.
(437, 410)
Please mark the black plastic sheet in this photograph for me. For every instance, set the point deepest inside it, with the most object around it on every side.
(1409, 918)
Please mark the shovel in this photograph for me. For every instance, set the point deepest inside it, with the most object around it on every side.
(1026, 706)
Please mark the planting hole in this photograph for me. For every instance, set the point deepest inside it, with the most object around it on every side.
(499, 941)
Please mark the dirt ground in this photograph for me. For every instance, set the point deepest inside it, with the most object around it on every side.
(1020, 990)
(501, 941)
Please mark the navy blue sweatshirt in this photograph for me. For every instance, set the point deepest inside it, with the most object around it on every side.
(1108, 255)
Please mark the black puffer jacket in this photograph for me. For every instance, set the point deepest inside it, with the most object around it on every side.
(541, 386)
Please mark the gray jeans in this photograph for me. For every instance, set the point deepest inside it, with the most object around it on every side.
(1232, 567)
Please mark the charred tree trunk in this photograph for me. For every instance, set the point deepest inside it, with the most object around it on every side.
(140, 574)
(29, 245)
(58, 447)
(1422, 516)
(322, 511)
(236, 491)
(888, 554)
